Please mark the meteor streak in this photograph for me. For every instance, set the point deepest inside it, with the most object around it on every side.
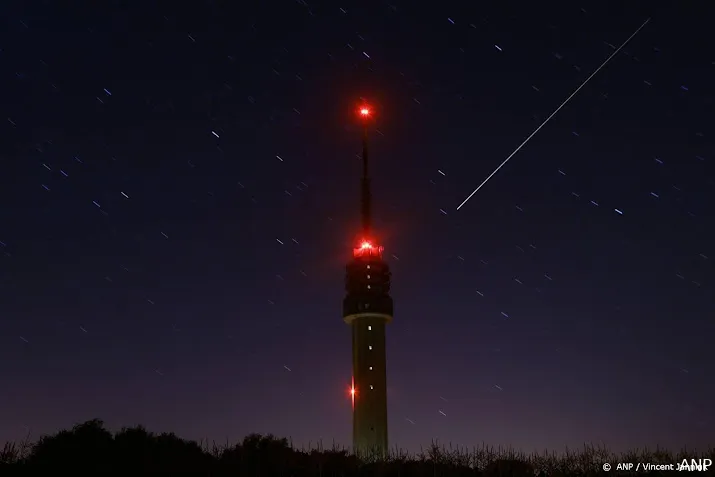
(554, 113)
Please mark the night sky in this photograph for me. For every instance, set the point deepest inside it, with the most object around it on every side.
(179, 195)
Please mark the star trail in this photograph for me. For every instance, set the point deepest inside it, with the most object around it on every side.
(179, 194)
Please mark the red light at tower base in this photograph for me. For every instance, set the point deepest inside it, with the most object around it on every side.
(352, 392)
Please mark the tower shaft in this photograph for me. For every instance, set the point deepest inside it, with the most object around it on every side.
(370, 383)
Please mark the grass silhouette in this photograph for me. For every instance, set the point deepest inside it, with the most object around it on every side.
(90, 449)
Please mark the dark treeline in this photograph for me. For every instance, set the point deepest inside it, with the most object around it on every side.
(90, 449)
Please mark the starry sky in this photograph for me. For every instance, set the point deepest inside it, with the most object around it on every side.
(180, 195)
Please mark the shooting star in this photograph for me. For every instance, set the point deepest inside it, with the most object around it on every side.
(554, 113)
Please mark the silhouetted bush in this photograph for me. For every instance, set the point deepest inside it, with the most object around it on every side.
(89, 449)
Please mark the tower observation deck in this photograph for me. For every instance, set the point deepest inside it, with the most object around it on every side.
(367, 308)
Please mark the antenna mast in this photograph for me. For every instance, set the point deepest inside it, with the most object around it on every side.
(366, 198)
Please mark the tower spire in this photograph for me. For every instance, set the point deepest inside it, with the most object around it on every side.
(366, 198)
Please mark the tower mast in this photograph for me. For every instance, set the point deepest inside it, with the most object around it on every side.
(366, 199)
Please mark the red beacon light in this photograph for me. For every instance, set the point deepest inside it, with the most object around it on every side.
(364, 112)
(367, 249)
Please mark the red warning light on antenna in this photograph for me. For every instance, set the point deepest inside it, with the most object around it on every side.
(365, 112)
